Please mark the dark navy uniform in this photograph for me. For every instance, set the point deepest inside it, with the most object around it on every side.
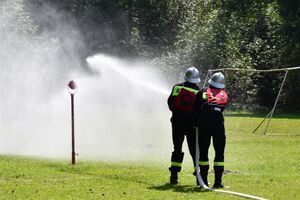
(182, 124)
(209, 107)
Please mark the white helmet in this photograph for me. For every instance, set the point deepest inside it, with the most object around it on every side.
(192, 75)
(217, 80)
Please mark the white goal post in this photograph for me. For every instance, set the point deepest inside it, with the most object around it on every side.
(270, 114)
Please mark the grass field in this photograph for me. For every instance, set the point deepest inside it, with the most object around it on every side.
(265, 166)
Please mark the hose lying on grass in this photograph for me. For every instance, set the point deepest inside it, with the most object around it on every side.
(202, 184)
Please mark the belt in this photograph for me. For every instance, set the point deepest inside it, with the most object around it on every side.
(213, 108)
(217, 109)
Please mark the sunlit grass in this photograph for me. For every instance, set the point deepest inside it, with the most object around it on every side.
(257, 164)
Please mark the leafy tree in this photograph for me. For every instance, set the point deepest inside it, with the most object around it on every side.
(208, 34)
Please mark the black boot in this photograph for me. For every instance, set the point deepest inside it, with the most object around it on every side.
(218, 178)
(204, 178)
(174, 178)
(176, 160)
(203, 173)
(218, 185)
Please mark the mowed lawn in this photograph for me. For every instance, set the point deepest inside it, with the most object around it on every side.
(257, 164)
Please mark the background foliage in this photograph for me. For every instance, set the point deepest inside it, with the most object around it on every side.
(207, 34)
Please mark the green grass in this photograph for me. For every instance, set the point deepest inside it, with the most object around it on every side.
(266, 166)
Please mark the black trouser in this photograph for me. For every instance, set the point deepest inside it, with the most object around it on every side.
(180, 129)
(212, 126)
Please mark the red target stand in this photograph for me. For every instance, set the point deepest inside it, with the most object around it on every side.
(72, 88)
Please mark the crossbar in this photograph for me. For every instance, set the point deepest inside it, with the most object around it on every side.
(255, 70)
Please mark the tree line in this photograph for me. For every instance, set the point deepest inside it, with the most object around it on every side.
(206, 34)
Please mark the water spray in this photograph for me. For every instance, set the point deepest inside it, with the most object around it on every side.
(72, 88)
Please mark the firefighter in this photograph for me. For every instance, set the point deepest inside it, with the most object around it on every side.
(181, 102)
(209, 106)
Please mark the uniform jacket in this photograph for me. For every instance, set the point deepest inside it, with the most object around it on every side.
(210, 104)
(177, 114)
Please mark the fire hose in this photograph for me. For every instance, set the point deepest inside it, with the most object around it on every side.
(202, 184)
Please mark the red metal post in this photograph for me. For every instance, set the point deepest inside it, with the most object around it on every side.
(73, 129)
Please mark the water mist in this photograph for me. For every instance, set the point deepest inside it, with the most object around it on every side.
(120, 107)
(122, 110)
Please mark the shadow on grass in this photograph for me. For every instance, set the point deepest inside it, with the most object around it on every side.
(178, 188)
(82, 171)
(87, 174)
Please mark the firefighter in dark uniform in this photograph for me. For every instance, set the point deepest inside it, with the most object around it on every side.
(209, 106)
(181, 102)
